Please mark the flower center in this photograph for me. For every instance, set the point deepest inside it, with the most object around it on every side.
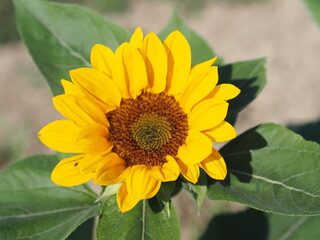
(151, 131)
(147, 129)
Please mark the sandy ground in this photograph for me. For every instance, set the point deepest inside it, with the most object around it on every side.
(280, 30)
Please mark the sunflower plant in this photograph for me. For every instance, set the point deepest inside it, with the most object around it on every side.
(141, 116)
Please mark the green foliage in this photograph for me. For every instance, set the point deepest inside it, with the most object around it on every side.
(314, 7)
(293, 228)
(249, 225)
(272, 169)
(111, 5)
(60, 36)
(241, 1)
(166, 191)
(269, 167)
(33, 207)
(309, 131)
(149, 219)
(200, 49)
(84, 231)
(256, 225)
(198, 191)
(249, 77)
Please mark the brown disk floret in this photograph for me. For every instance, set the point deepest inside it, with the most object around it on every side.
(147, 129)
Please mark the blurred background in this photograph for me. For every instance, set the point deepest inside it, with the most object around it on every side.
(281, 30)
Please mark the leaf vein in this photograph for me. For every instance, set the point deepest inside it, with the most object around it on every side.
(276, 183)
(48, 230)
(45, 212)
(143, 219)
(49, 186)
(300, 174)
(291, 230)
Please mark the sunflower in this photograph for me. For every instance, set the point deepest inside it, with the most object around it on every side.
(140, 116)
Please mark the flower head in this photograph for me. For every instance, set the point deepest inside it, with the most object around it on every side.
(140, 116)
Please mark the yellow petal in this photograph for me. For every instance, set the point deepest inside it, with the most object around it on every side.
(66, 172)
(197, 147)
(136, 38)
(221, 133)
(140, 184)
(61, 136)
(119, 74)
(80, 110)
(156, 62)
(98, 86)
(199, 87)
(89, 163)
(207, 114)
(199, 67)
(215, 166)
(111, 170)
(130, 73)
(102, 59)
(135, 71)
(167, 172)
(179, 62)
(224, 92)
(190, 172)
(125, 200)
(69, 88)
(93, 139)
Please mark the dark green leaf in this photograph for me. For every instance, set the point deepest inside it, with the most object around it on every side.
(33, 207)
(198, 191)
(309, 131)
(249, 77)
(147, 220)
(256, 225)
(201, 51)
(314, 7)
(84, 231)
(247, 225)
(60, 36)
(166, 190)
(293, 228)
(272, 169)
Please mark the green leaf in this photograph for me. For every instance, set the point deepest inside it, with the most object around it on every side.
(33, 207)
(198, 191)
(200, 49)
(166, 191)
(59, 36)
(293, 228)
(272, 169)
(147, 220)
(248, 225)
(309, 131)
(314, 7)
(249, 77)
(84, 231)
(252, 225)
